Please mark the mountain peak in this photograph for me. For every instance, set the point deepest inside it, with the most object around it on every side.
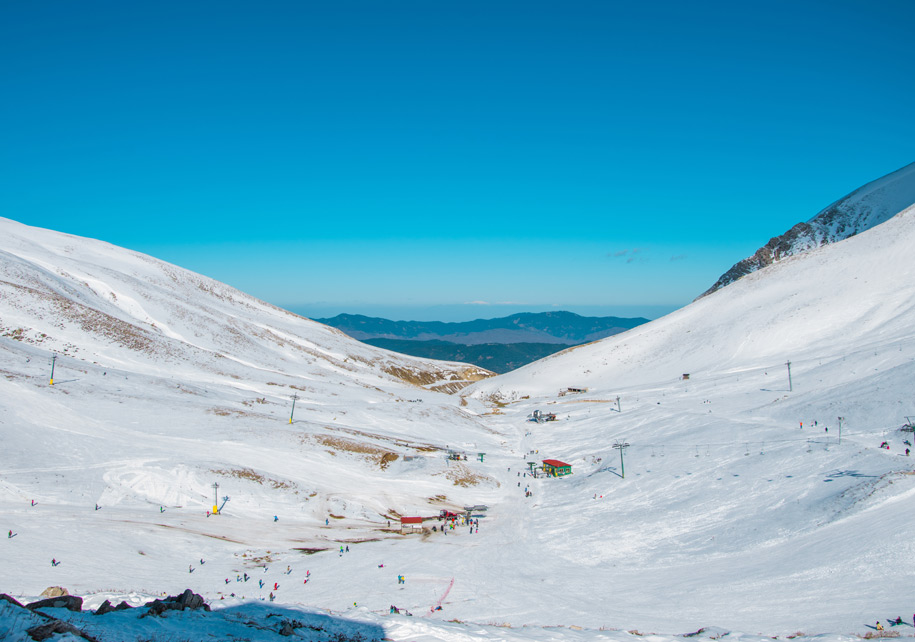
(864, 208)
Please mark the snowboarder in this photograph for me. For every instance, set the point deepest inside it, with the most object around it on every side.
(97, 507)
(246, 577)
(10, 536)
(276, 586)
(161, 509)
(54, 562)
(272, 596)
(33, 502)
(227, 580)
(275, 518)
(260, 583)
(202, 562)
(879, 626)
(190, 569)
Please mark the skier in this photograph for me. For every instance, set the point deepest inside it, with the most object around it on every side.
(326, 522)
(161, 509)
(97, 507)
(260, 583)
(276, 586)
(246, 577)
(202, 562)
(33, 502)
(10, 536)
(227, 580)
(275, 518)
(347, 549)
(879, 626)
(190, 569)
(272, 596)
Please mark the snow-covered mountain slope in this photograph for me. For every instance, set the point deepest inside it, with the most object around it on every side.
(739, 502)
(867, 206)
(94, 301)
(729, 514)
(166, 382)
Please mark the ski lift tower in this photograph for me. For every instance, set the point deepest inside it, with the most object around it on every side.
(621, 447)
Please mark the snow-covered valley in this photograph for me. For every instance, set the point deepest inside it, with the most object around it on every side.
(747, 505)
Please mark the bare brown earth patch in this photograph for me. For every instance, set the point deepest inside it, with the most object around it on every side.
(254, 476)
(380, 456)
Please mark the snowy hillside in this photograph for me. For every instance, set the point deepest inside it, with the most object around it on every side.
(731, 514)
(876, 202)
(739, 503)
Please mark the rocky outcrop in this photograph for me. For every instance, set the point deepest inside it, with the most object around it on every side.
(187, 600)
(866, 207)
(54, 591)
(69, 602)
(106, 607)
(53, 627)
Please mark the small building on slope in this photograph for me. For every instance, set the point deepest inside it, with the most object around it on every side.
(411, 524)
(556, 468)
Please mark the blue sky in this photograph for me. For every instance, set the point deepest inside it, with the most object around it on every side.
(437, 159)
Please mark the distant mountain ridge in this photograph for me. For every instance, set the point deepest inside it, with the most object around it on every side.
(495, 357)
(866, 207)
(564, 328)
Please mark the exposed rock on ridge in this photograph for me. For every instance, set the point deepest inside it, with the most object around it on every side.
(871, 205)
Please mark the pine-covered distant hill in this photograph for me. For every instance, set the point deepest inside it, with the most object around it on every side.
(499, 345)
(565, 328)
(495, 357)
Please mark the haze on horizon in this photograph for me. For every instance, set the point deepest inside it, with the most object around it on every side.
(463, 161)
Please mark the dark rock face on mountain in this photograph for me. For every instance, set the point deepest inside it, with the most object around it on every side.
(871, 205)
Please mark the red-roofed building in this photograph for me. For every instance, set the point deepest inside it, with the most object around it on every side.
(411, 524)
(556, 468)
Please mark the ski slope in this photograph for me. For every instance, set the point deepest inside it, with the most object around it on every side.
(731, 514)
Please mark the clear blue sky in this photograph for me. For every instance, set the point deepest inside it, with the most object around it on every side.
(412, 158)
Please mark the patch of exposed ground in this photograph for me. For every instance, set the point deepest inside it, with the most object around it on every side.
(460, 475)
(380, 456)
(254, 476)
(403, 443)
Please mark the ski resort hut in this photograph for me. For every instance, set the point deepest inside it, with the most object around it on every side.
(411, 524)
(572, 391)
(556, 468)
